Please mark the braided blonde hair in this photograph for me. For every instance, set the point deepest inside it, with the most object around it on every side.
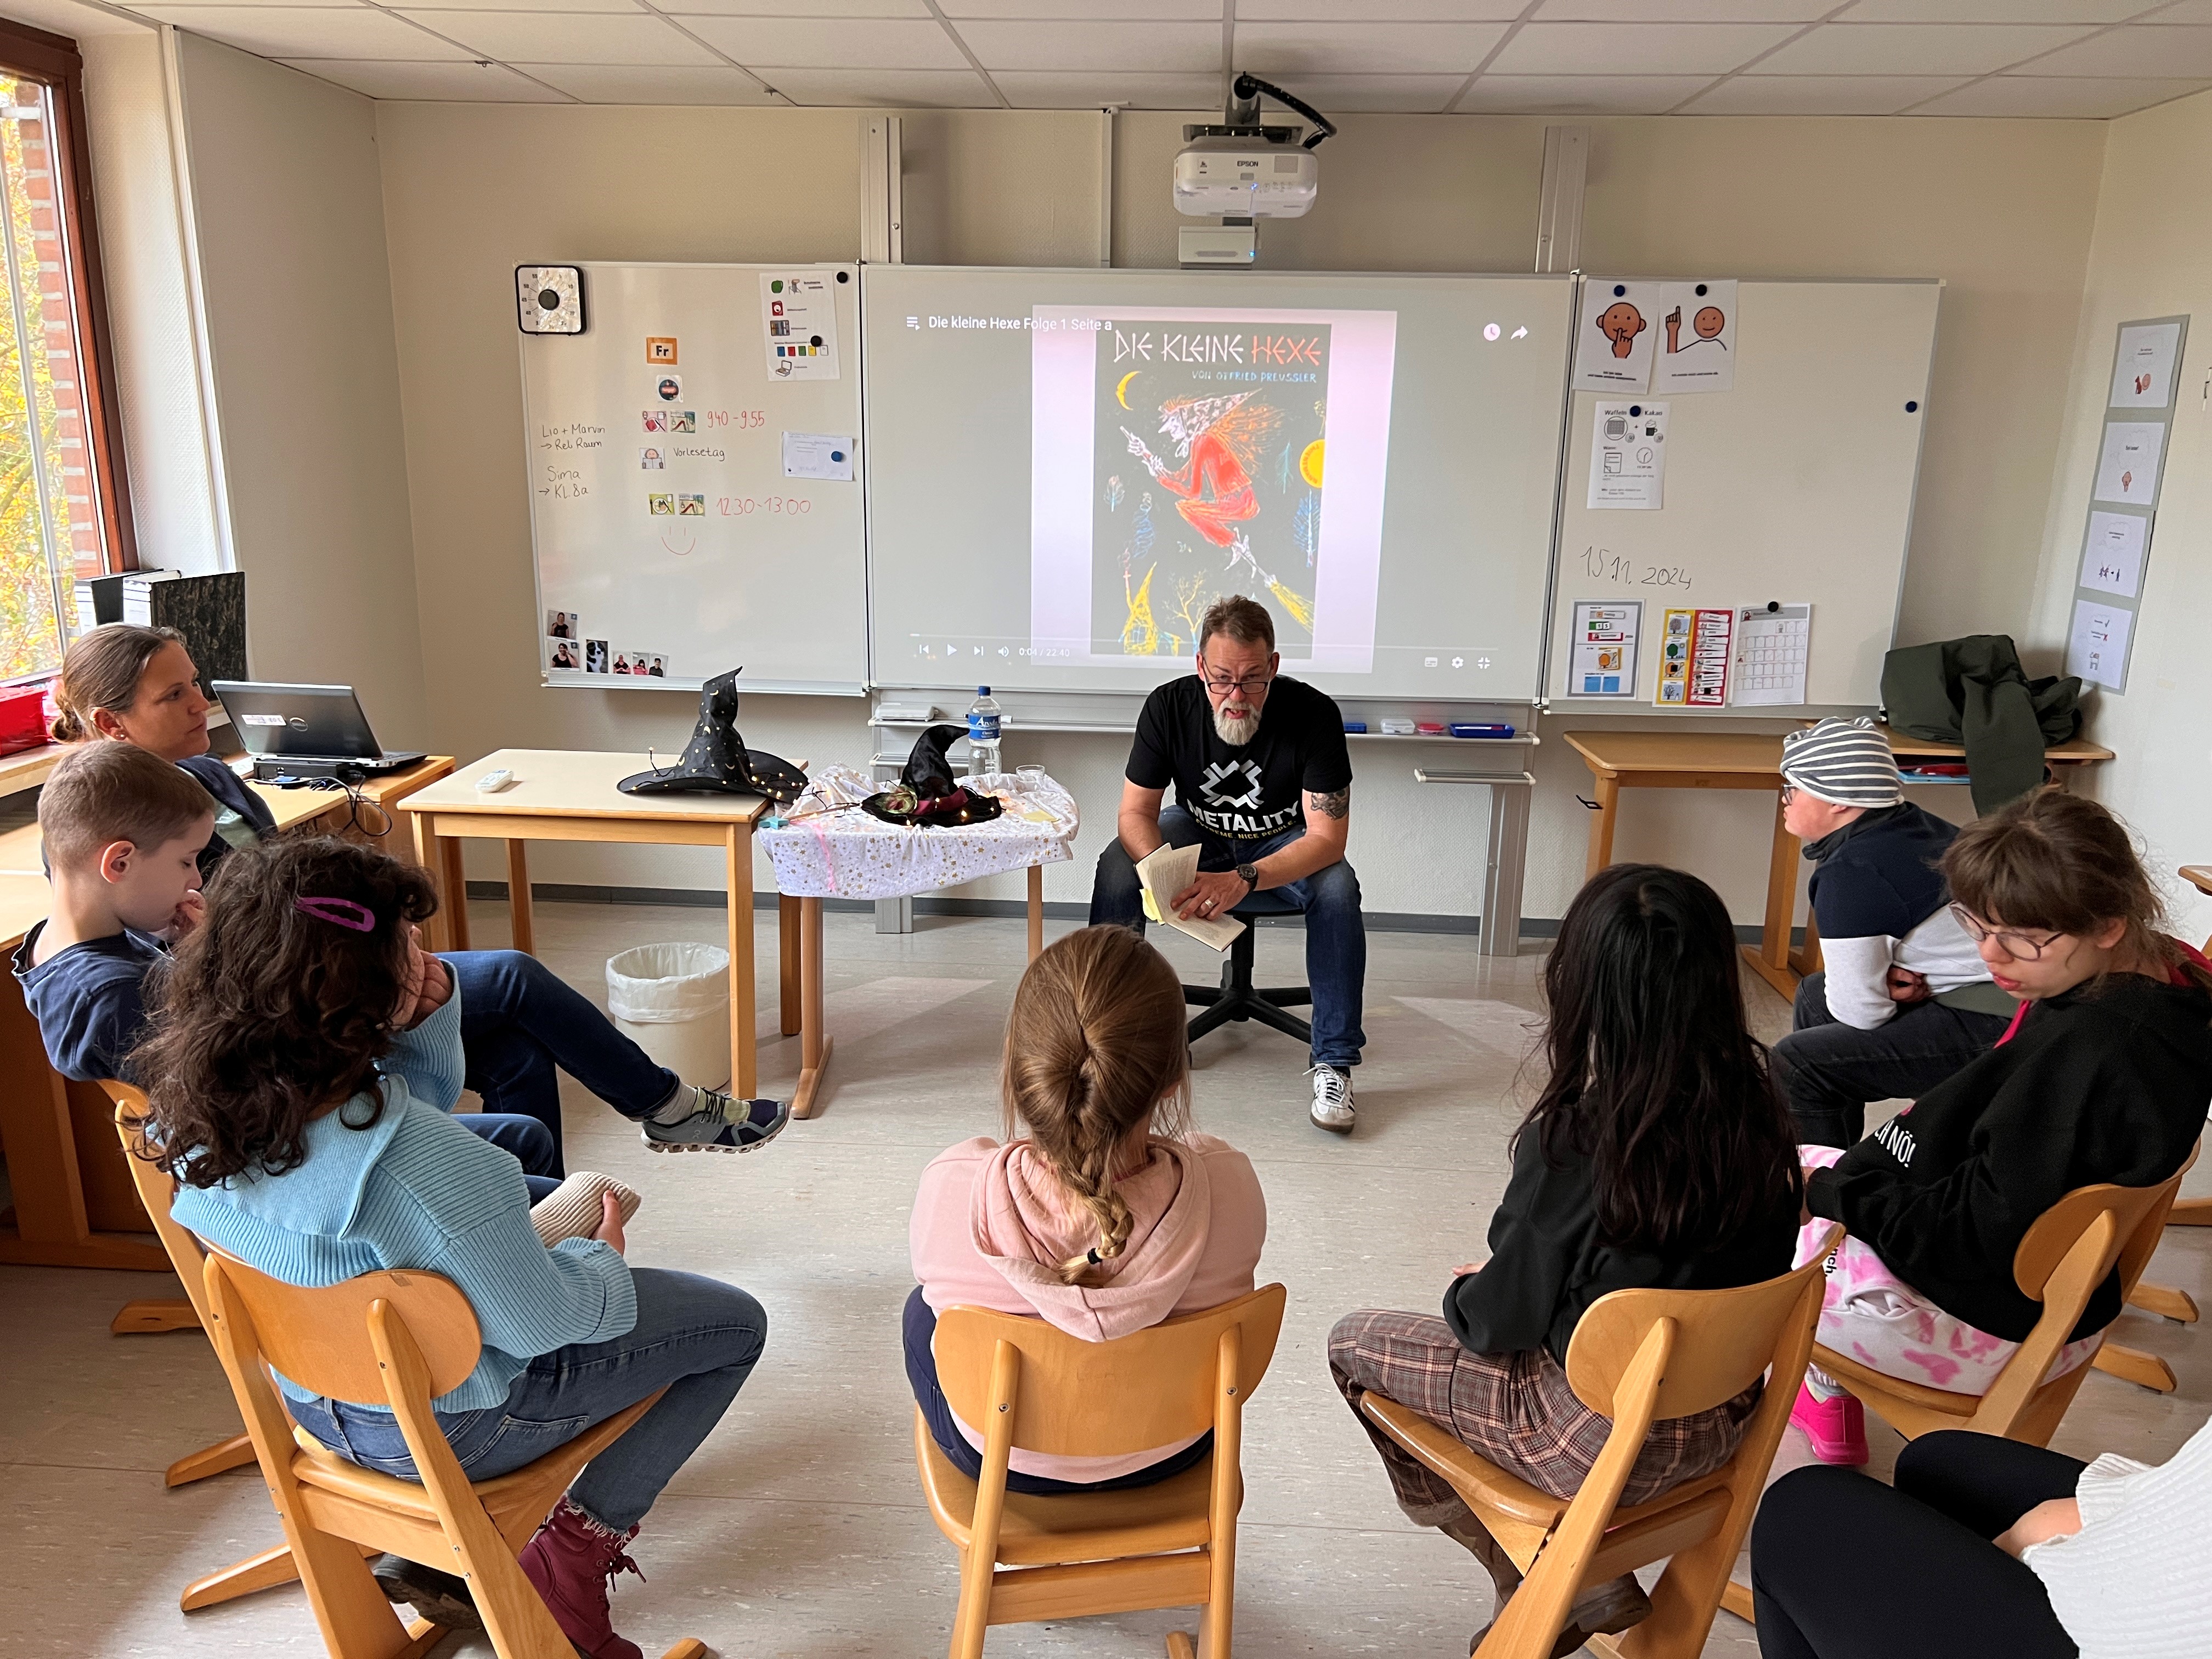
(1095, 1050)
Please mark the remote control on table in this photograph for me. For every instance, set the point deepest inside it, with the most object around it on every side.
(492, 782)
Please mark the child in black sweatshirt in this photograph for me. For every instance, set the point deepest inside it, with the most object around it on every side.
(2103, 1076)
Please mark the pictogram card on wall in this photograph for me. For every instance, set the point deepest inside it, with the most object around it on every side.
(799, 324)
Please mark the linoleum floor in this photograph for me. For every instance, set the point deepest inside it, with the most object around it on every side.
(797, 1531)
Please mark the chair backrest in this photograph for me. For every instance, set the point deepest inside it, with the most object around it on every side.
(2137, 1214)
(1082, 1399)
(1726, 1339)
(319, 1338)
(156, 1191)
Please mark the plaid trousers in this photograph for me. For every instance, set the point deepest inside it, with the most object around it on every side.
(1516, 1409)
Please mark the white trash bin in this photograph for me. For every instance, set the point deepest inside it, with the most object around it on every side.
(673, 1001)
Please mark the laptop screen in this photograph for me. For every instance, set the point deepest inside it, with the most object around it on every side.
(298, 722)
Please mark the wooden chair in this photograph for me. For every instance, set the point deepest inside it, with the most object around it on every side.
(1169, 1546)
(398, 1339)
(2064, 1257)
(273, 1566)
(1638, 1357)
(2139, 1365)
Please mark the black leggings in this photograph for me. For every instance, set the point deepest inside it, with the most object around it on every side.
(1843, 1567)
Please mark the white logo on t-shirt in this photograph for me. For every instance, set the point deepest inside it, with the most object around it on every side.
(1226, 772)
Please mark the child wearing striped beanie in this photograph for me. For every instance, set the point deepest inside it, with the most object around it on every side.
(1844, 762)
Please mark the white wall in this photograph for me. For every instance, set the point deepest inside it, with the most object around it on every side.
(2151, 256)
(2002, 209)
(288, 216)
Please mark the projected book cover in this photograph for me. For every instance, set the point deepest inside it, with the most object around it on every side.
(1212, 480)
(1177, 455)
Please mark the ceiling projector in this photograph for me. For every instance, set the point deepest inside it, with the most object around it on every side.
(1243, 170)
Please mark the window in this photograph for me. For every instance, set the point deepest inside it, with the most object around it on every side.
(62, 508)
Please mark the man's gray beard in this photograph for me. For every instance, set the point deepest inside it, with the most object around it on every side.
(1236, 732)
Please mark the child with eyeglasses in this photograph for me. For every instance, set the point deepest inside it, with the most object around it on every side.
(2103, 1076)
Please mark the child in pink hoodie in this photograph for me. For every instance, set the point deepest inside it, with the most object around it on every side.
(1111, 1215)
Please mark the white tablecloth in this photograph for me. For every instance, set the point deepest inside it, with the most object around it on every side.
(847, 854)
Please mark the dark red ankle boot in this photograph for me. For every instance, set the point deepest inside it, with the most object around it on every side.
(572, 1563)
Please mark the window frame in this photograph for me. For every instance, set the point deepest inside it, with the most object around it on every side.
(54, 59)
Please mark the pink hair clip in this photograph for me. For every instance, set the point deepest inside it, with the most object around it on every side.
(362, 920)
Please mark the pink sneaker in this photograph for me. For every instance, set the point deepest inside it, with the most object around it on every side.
(1836, 1427)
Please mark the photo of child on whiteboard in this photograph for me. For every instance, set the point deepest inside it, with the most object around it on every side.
(1210, 440)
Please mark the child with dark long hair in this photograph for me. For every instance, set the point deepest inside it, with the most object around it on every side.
(301, 1065)
(1659, 1154)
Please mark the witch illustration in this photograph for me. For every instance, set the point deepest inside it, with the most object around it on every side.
(1218, 440)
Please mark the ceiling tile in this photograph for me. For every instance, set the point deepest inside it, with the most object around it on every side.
(1585, 49)
(1821, 94)
(299, 32)
(2086, 97)
(797, 8)
(1684, 11)
(1191, 48)
(1044, 89)
(2141, 52)
(642, 85)
(148, 11)
(521, 37)
(1353, 94)
(883, 88)
(1378, 11)
(442, 84)
(825, 43)
(2189, 11)
(1578, 95)
(1994, 11)
(1187, 11)
(1917, 48)
(1350, 48)
(622, 8)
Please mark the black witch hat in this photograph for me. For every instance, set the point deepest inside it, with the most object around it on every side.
(716, 761)
(928, 794)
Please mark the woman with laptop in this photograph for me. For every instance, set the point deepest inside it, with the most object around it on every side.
(521, 1025)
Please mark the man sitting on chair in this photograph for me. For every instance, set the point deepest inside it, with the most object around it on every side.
(1247, 749)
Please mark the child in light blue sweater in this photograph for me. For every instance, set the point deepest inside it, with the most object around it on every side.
(306, 1062)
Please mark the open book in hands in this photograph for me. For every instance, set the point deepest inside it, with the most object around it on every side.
(1167, 871)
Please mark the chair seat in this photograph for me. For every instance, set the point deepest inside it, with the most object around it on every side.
(1038, 1532)
(1848, 1370)
(1270, 902)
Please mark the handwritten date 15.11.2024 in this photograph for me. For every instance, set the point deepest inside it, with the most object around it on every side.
(1601, 564)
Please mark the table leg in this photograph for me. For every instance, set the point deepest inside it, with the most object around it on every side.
(1807, 957)
(787, 950)
(456, 876)
(432, 858)
(1036, 910)
(1770, 961)
(744, 1059)
(520, 922)
(1608, 785)
(814, 1051)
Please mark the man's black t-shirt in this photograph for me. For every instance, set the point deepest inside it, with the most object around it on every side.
(1249, 793)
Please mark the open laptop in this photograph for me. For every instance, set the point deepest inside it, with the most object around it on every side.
(305, 731)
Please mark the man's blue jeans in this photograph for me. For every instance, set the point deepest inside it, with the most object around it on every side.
(697, 1337)
(522, 1026)
(1336, 936)
(524, 1137)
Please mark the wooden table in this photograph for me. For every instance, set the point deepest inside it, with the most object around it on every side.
(75, 1203)
(1684, 759)
(562, 795)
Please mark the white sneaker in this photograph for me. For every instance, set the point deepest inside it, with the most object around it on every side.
(1332, 1100)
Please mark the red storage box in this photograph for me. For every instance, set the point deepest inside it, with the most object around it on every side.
(22, 717)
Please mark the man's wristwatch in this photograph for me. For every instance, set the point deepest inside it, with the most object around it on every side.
(1251, 874)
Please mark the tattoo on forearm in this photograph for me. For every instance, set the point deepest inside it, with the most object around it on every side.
(1335, 804)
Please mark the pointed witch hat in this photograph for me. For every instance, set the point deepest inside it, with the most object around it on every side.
(716, 761)
(928, 794)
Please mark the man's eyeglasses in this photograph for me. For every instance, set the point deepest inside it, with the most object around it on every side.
(1251, 685)
(1789, 794)
(2021, 947)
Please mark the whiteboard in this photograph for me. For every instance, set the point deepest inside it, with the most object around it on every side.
(1794, 487)
(661, 518)
(1387, 488)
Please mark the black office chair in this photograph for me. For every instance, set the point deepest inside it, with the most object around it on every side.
(1237, 997)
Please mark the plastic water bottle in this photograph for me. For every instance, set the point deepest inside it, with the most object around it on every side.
(983, 734)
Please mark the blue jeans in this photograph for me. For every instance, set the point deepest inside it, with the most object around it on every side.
(1829, 1071)
(522, 1026)
(918, 1329)
(698, 1338)
(1336, 936)
(533, 1148)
